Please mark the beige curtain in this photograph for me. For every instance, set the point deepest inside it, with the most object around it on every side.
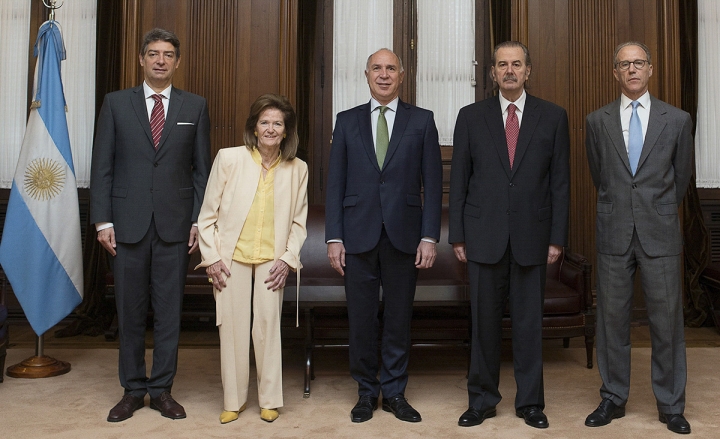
(445, 55)
(14, 35)
(78, 19)
(707, 136)
(359, 29)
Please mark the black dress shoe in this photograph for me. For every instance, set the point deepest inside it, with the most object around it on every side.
(473, 416)
(124, 409)
(401, 408)
(167, 406)
(363, 410)
(533, 415)
(675, 423)
(606, 412)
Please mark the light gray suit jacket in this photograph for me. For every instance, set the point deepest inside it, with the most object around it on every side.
(648, 201)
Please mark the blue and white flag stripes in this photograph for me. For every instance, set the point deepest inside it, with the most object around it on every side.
(41, 247)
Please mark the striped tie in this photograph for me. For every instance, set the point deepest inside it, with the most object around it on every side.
(157, 120)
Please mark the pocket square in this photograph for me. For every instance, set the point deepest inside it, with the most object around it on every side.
(185, 123)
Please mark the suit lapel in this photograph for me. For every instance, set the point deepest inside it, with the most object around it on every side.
(656, 125)
(366, 134)
(401, 120)
(611, 120)
(530, 119)
(494, 122)
(176, 101)
(140, 107)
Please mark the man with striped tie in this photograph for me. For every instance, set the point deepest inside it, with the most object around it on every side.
(150, 165)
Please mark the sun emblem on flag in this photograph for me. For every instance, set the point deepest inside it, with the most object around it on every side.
(44, 179)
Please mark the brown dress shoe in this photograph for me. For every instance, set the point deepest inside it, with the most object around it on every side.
(167, 406)
(125, 408)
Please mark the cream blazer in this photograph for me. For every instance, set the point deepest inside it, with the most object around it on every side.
(229, 195)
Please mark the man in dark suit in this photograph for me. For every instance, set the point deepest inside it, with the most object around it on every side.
(508, 218)
(150, 165)
(640, 152)
(384, 154)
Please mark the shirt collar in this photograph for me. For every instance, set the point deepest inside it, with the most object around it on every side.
(149, 91)
(626, 101)
(519, 103)
(374, 104)
(258, 158)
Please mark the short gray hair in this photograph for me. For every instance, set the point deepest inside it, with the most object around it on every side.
(631, 43)
(367, 63)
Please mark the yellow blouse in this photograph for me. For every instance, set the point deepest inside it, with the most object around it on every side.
(257, 238)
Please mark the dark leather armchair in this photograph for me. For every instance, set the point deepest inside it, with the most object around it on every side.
(568, 303)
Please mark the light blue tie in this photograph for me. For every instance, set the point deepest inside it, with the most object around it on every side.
(635, 138)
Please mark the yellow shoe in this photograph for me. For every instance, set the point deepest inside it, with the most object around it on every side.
(269, 415)
(229, 416)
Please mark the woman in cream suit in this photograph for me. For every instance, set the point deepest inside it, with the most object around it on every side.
(252, 226)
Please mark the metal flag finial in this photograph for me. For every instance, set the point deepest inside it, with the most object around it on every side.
(51, 4)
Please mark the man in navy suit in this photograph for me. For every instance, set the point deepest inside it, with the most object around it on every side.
(148, 182)
(508, 218)
(385, 156)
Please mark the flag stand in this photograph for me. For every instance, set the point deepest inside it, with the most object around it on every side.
(39, 365)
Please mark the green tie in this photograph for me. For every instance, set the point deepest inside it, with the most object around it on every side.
(383, 139)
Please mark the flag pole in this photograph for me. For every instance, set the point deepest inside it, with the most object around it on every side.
(39, 365)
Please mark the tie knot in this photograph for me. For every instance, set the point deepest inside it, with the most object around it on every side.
(157, 97)
(511, 108)
(383, 109)
(635, 104)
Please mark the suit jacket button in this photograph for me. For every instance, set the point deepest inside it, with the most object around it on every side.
(512, 184)
(634, 186)
(156, 165)
(507, 212)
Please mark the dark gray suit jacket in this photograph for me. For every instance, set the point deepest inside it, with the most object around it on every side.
(131, 182)
(491, 204)
(648, 201)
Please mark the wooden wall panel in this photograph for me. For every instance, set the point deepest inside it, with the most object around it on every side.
(232, 51)
(572, 43)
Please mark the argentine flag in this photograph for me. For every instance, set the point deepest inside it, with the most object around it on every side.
(41, 247)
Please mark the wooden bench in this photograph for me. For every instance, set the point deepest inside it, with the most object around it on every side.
(442, 313)
(567, 313)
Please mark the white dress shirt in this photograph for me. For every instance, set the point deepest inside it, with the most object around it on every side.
(519, 103)
(150, 102)
(389, 117)
(643, 111)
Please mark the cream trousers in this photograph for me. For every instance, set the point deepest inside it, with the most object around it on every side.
(246, 288)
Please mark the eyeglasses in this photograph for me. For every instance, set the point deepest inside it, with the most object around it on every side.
(638, 63)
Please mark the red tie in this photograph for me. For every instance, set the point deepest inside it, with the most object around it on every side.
(512, 130)
(157, 120)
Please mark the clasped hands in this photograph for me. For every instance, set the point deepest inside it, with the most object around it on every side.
(218, 273)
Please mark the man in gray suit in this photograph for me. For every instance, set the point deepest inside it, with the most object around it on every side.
(150, 165)
(640, 152)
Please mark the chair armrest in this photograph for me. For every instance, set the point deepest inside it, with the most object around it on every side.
(575, 271)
